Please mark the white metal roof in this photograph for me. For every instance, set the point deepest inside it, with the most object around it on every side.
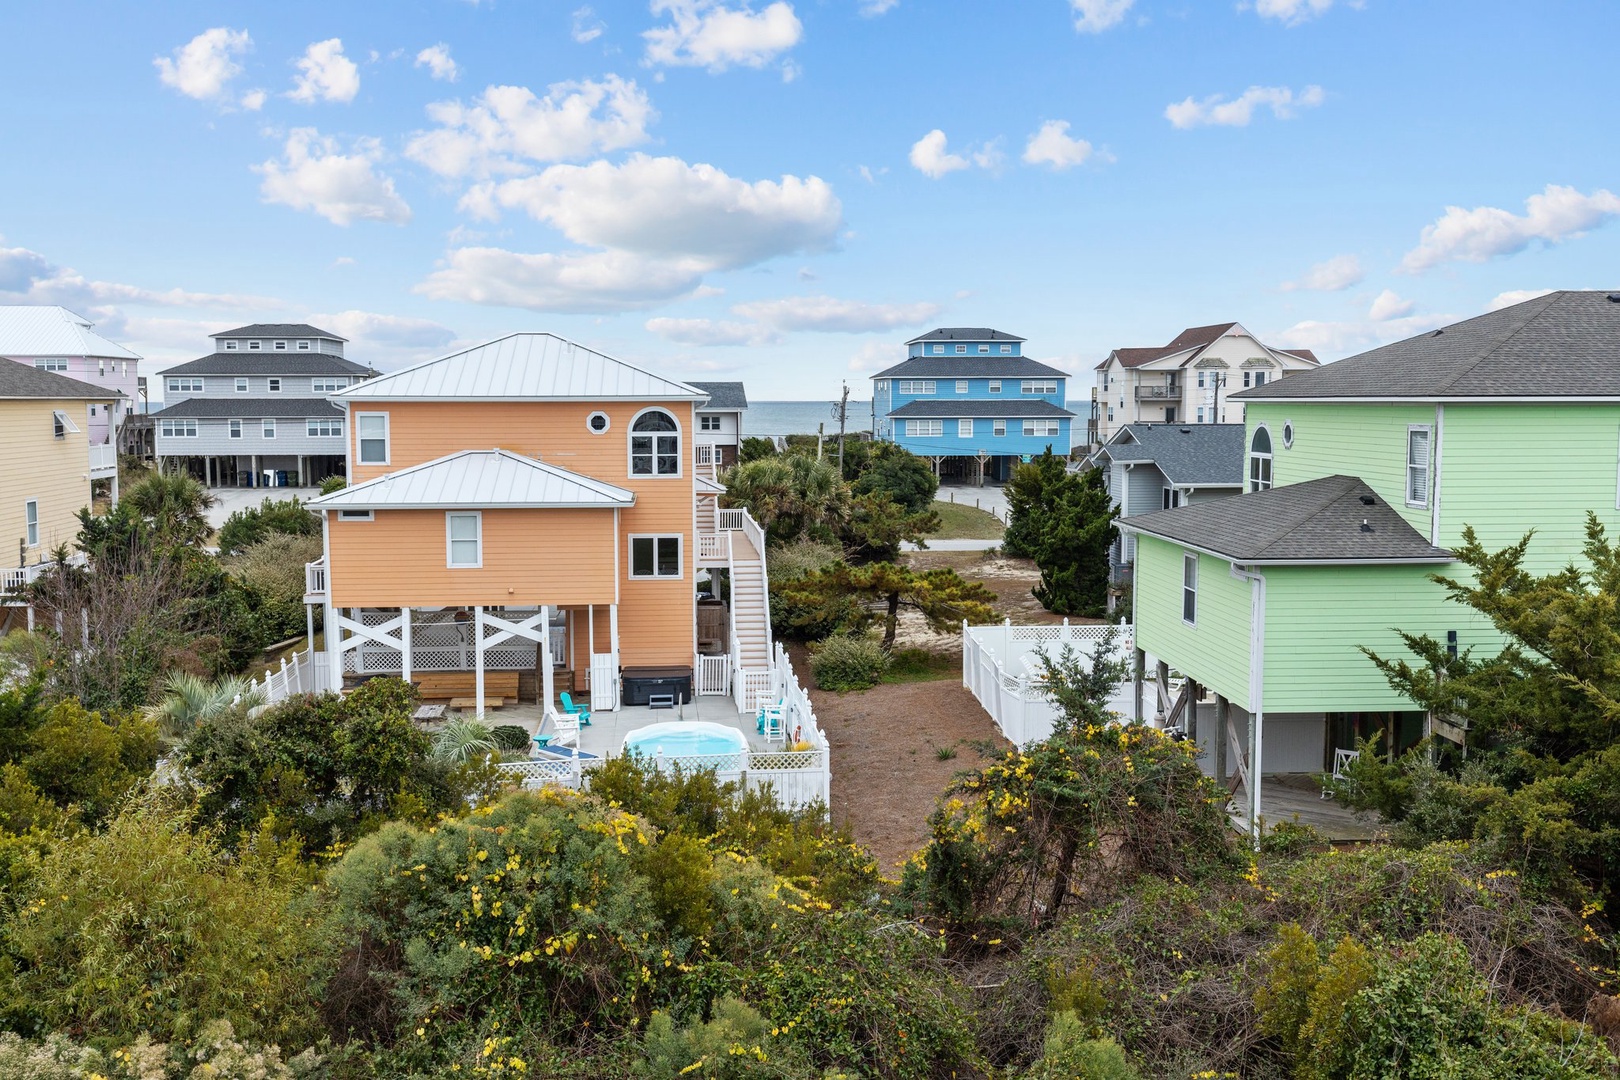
(49, 330)
(523, 367)
(478, 479)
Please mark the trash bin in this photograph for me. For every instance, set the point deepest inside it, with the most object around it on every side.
(281, 478)
(269, 478)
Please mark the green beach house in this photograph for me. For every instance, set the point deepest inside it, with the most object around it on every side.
(1361, 476)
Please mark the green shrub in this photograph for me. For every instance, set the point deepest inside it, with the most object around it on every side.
(152, 927)
(274, 567)
(801, 558)
(736, 1042)
(510, 737)
(904, 478)
(216, 1054)
(1072, 1053)
(244, 528)
(333, 483)
(846, 662)
(77, 758)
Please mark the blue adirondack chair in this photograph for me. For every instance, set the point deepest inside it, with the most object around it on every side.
(571, 709)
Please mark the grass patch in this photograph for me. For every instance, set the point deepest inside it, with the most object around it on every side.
(920, 665)
(959, 522)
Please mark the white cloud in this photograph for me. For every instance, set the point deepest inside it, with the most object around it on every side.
(1386, 306)
(1215, 110)
(1095, 16)
(508, 123)
(1557, 214)
(665, 208)
(607, 281)
(709, 34)
(870, 9)
(711, 332)
(342, 188)
(325, 74)
(1292, 12)
(587, 27)
(437, 59)
(203, 67)
(254, 100)
(28, 277)
(831, 314)
(1514, 296)
(1053, 145)
(1337, 273)
(929, 156)
(876, 355)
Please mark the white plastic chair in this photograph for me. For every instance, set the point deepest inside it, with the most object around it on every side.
(565, 729)
(1342, 760)
(770, 721)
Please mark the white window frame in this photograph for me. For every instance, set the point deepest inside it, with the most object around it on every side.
(51, 363)
(450, 540)
(62, 423)
(361, 438)
(1251, 455)
(328, 384)
(1424, 468)
(267, 428)
(280, 346)
(995, 386)
(961, 350)
(254, 346)
(368, 515)
(939, 350)
(1189, 587)
(177, 429)
(680, 557)
(1006, 350)
(235, 429)
(607, 423)
(31, 522)
(961, 386)
(303, 346)
(1200, 414)
(708, 423)
(919, 387)
(999, 429)
(924, 429)
(1042, 428)
(1037, 386)
(242, 385)
(323, 427)
(273, 385)
(186, 384)
(631, 434)
(964, 429)
(230, 346)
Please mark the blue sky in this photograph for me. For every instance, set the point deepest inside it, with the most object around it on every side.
(783, 192)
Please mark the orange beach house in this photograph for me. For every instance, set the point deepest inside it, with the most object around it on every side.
(533, 508)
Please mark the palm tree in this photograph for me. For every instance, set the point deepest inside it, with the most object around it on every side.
(175, 504)
(790, 495)
(188, 700)
(463, 739)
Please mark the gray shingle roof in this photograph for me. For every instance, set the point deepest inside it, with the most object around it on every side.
(723, 395)
(23, 380)
(970, 407)
(249, 408)
(1335, 519)
(965, 333)
(1207, 455)
(279, 330)
(970, 367)
(269, 363)
(1564, 344)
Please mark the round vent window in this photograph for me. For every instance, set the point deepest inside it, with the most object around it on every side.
(1288, 434)
(597, 422)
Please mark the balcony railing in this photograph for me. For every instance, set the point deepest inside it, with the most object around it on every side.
(315, 581)
(103, 461)
(14, 579)
(1158, 393)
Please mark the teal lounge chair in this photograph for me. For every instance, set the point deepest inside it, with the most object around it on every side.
(571, 709)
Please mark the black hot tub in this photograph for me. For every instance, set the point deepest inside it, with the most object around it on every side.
(642, 684)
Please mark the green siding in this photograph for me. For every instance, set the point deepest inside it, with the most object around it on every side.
(1216, 651)
(1318, 617)
(1508, 468)
(1333, 439)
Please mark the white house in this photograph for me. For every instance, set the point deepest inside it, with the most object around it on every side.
(1189, 381)
(720, 420)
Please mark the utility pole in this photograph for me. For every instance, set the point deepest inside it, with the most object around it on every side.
(821, 433)
(842, 411)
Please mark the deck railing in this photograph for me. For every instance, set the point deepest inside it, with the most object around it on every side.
(103, 461)
(303, 673)
(14, 579)
(714, 547)
(315, 578)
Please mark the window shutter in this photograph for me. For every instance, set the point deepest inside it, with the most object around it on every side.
(1417, 461)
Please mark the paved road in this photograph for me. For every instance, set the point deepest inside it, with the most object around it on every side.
(989, 497)
(234, 499)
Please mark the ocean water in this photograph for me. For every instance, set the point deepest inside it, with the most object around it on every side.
(801, 417)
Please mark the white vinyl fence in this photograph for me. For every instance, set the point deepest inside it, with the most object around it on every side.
(798, 778)
(1001, 667)
(304, 673)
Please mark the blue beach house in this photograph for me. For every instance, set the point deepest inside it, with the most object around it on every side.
(969, 401)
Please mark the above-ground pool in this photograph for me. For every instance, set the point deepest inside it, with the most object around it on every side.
(683, 738)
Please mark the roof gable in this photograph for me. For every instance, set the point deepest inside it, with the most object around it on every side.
(52, 330)
(278, 330)
(1189, 455)
(478, 479)
(723, 395)
(523, 367)
(964, 333)
(1563, 344)
(21, 380)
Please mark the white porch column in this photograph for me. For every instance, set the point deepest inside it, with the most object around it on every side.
(590, 645)
(334, 635)
(478, 659)
(548, 683)
(613, 641)
(309, 629)
(404, 634)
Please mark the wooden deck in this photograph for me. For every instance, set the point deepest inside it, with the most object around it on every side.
(1299, 799)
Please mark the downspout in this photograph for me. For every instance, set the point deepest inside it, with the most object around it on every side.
(1257, 683)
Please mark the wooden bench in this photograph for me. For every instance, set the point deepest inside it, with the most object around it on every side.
(446, 685)
(472, 702)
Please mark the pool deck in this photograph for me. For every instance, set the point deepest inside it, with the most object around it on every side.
(604, 736)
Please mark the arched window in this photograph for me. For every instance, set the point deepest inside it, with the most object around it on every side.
(655, 444)
(1260, 460)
